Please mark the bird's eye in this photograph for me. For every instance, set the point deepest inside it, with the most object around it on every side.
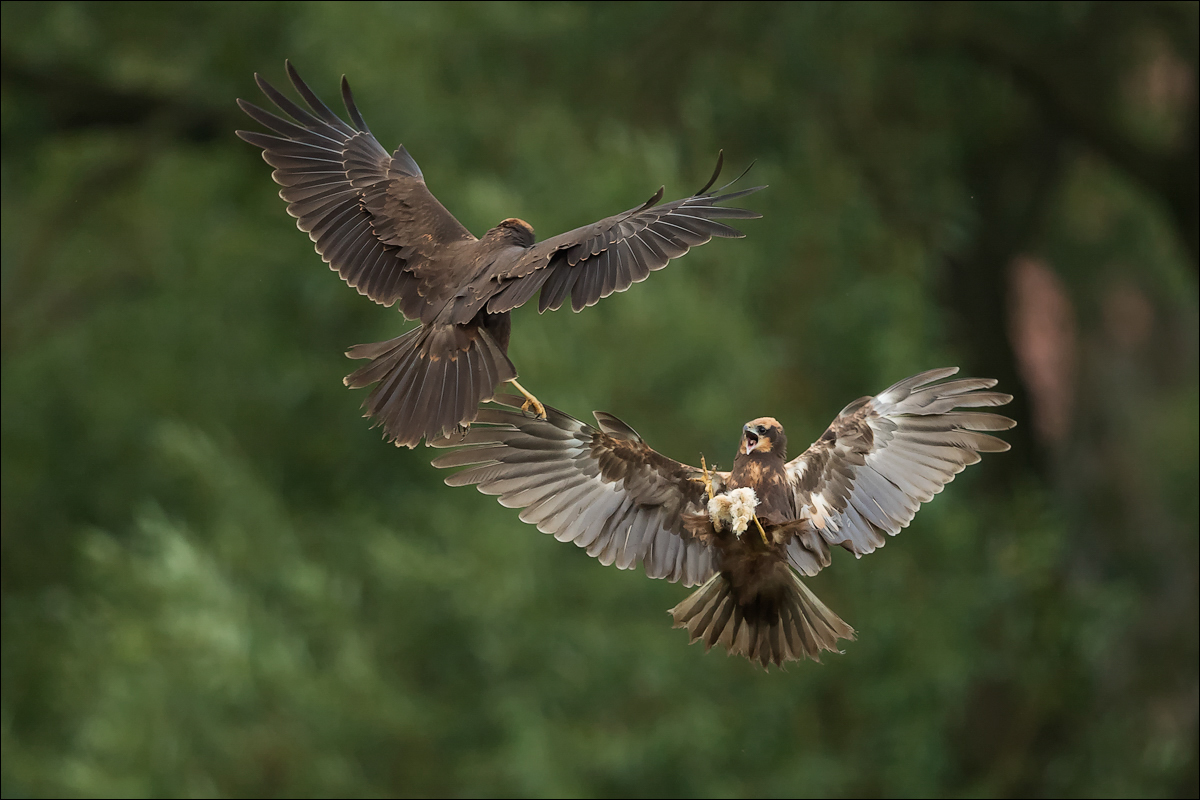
(761, 429)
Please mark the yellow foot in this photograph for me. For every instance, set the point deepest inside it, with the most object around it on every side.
(707, 479)
(761, 532)
(531, 402)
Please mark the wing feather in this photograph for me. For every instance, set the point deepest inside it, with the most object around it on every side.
(594, 261)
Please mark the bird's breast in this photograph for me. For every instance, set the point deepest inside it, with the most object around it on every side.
(769, 481)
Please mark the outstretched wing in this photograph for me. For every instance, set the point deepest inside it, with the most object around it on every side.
(594, 261)
(885, 455)
(369, 214)
(605, 490)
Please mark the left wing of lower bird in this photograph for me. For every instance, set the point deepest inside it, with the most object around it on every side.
(606, 490)
(884, 456)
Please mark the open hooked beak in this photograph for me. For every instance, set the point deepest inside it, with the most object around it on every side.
(749, 440)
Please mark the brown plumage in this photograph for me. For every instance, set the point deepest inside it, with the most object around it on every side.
(609, 492)
(373, 220)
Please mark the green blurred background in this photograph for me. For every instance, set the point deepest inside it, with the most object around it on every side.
(218, 580)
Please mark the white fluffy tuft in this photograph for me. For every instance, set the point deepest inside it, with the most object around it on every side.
(733, 510)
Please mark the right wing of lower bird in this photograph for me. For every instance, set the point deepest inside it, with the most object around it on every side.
(883, 456)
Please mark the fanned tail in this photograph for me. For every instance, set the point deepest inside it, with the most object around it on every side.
(782, 622)
(430, 380)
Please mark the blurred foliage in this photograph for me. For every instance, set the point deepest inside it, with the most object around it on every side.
(218, 580)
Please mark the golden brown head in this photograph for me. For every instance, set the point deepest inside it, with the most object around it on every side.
(763, 435)
(517, 231)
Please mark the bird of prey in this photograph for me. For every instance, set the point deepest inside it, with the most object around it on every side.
(375, 222)
(744, 534)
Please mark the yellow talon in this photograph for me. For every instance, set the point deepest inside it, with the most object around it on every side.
(531, 402)
(707, 479)
(761, 532)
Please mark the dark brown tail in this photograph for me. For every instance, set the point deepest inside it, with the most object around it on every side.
(430, 380)
(783, 622)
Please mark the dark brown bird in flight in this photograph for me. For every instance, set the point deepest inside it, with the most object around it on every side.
(373, 220)
(743, 534)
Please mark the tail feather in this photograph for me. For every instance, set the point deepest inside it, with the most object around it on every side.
(784, 622)
(429, 380)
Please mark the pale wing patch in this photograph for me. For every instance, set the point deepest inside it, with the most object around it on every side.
(891, 453)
